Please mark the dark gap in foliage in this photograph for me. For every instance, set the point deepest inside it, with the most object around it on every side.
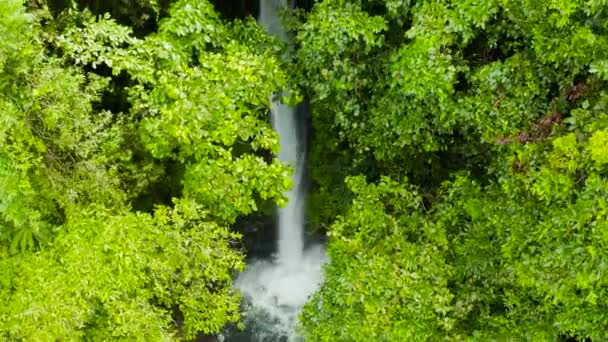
(241, 9)
(243, 147)
(116, 98)
(100, 315)
(163, 190)
(213, 285)
(258, 232)
(497, 306)
(56, 6)
(374, 8)
(201, 337)
(138, 14)
(582, 86)
(462, 84)
(58, 216)
(464, 152)
(178, 318)
(395, 35)
(569, 338)
(304, 4)
(480, 51)
(304, 111)
(554, 92)
(194, 61)
(34, 4)
(491, 45)
(236, 9)
(333, 168)
(597, 23)
(468, 152)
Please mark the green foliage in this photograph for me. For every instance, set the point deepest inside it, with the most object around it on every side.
(200, 109)
(109, 277)
(76, 261)
(480, 128)
(50, 160)
(142, 15)
(388, 277)
(517, 259)
(433, 75)
(459, 164)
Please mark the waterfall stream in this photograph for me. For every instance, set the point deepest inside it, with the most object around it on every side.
(286, 123)
(275, 290)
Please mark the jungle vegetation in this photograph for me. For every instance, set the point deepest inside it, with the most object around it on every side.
(458, 166)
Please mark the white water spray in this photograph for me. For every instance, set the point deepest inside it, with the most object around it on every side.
(277, 289)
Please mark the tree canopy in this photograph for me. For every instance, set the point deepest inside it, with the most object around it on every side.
(458, 165)
(467, 143)
(123, 163)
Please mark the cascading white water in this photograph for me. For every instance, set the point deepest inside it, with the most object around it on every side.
(277, 289)
(290, 218)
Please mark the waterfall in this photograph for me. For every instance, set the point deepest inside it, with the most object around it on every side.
(291, 218)
(286, 124)
(275, 290)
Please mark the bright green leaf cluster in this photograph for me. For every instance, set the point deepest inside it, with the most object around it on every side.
(93, 120)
